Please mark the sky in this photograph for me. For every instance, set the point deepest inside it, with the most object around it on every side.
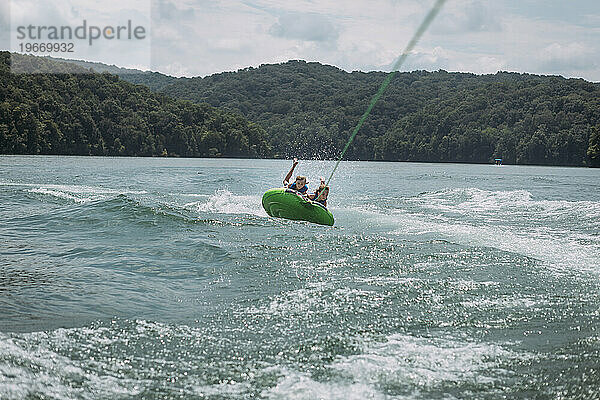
(202, 37)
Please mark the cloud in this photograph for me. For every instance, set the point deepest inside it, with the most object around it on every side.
(201, 37)
(591, 20)
(4, 25)
(558, 57)
(467, 16)
(542, 46)
(73, 14)
(450, 60)
(169, 11)
(305, 26)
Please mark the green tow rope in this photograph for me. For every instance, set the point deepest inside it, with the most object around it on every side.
(422, 28)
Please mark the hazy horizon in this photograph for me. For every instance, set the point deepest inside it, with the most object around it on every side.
(200, 38)
(318, 62)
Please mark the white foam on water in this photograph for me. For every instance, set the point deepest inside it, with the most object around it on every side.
(478, 202)
(29, 366)
(415, 363)
(456, 285)
(391, 281)
(551, 236)
(225, 202)
(38, 364)
(296, 302)
(464, 200)
(421, 361)
(78, 198)
(558, 252)
(296, 385)
(235, 390)
(318, 298)
(507, 302)
(36, 370)
(2, 183)
(78, 194)
(203, 196)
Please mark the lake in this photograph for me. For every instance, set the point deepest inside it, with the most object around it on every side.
(143, 278)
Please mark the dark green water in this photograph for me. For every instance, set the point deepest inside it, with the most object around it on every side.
(127, 278)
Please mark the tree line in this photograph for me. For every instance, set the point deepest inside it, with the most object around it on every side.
(309, 110)
(76, 112)
(298, 109)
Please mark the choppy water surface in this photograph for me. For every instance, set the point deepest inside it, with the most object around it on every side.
(164, 278)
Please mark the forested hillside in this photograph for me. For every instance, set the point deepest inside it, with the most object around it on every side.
(99, 114)
(306, 109)
(154, 80)
(309, 110)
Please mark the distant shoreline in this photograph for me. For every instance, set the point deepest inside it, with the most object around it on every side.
(300, 109)
(289, 159)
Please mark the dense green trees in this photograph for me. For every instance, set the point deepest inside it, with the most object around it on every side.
(154, 80)
(593, 152)
(98, 114)
(301, 109)
(309, 110)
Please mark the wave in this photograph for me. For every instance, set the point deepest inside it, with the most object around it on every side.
(31, 368)
(476, 201)
(225, 202)
(75, 193)
(114, 359)
(414, 364)
(98, 358)
(562, 252)
(517, 207)
(136, 201)
(562, 234)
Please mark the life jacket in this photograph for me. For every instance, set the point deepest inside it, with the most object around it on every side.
(301, 190)
(321, 201)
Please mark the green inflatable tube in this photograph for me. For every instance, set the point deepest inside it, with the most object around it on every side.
(286, 203)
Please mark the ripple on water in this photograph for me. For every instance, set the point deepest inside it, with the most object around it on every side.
(134, 358)
(403, 365)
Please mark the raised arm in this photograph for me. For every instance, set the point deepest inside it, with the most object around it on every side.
(286, 181)
(319, 190)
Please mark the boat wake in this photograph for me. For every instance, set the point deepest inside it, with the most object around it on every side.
(75, 193)
(225, 202)
(222, 202)
(563, 234)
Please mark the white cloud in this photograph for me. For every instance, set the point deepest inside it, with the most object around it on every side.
(450, 60)
(4, 25)
(305, 26)
(82, 16)
(468, 16)
(558, 57)
(201, 37)
(550, 47)
(168, 11)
